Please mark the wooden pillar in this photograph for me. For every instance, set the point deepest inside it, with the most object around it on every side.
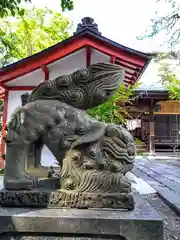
(4, 120)
(45, 69)
(142, 130)
(88, 56)
(151, 128)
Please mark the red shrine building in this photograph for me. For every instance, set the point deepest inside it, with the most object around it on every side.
(86, 46)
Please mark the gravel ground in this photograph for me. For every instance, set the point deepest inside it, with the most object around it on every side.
(171, 219)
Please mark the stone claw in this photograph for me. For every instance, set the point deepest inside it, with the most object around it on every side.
(19, 184)
(23, 181)
(30, 177)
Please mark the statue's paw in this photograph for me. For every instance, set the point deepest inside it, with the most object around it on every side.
(129, 201)
(19, 184)
(30, 177)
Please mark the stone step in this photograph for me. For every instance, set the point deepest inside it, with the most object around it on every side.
(139, 185)
(141, 147)
(170, 197)
(141, 143)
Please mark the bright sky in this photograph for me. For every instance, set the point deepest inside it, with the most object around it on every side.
(119, 20)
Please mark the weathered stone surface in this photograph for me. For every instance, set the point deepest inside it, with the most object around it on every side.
(61, 199)
(143, 223)
(60, 237)
(93, 156)
(164, 177)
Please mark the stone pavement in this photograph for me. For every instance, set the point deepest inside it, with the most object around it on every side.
(164, 177)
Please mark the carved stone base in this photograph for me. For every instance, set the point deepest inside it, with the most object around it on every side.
(97, 224)
(65, 199)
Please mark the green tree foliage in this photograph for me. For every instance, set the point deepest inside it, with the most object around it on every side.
(169, 23)
(169, 62)
(67, 5)
(169, 71)
(38, 29)
(26, 35)
(114, 110)
(12, 7)
(170, 80)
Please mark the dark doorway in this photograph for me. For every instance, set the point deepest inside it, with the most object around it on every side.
(167, 132)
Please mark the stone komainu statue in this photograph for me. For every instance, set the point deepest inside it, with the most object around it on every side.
(93, 156)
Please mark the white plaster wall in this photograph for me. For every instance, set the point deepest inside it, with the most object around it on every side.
(68, 64)
(97, 57)
(30, 79)
(74, 62)
(14, 101)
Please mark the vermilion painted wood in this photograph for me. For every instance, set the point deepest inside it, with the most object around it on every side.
(4, 123)
(88, 56)
(46, 72)
(113, 59)
(137, 69)
(34, 64)
(21, 88)
(67, 49)
(1, 162)
(4, 86)
(116, 52)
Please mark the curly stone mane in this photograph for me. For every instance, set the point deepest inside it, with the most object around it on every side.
(93, 156)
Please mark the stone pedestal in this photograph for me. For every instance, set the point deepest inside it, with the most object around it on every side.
(143, 223)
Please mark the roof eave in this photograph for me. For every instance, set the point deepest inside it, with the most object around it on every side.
(147, 57)
(115, 44)
(152, 93)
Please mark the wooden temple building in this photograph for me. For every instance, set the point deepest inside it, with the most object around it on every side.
(85, 47)
(158, 117)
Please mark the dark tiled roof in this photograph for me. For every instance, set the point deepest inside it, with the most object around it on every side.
(88, 28)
